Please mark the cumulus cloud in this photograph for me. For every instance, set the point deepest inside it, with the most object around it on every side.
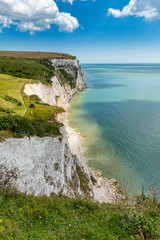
(34, 15)
(148, 9)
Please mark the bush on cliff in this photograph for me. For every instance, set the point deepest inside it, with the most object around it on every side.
(21, 126)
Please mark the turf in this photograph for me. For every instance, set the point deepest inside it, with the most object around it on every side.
(12, 86)
(59, 218)
(38, 69)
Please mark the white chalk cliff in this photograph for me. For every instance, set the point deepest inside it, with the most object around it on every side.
(50, 165)
(47, 165)
(57, 93)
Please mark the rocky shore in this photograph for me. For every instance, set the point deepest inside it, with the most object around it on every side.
(104, 190)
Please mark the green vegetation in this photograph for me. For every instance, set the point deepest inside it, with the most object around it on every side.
(34, 98)
(21, 115)
(5, 110)
(21, 126)
(10, 93)
(28, 217)
(12, 100)
(84, 182)
(39, 117)
(38, 69)
(39, 111)
(65, 77)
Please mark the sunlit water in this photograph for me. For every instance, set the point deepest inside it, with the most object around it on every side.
(119, 113)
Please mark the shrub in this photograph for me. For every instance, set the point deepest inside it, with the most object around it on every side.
(12, 100)
(141, 221)
(31, 105)
(5, 110)
(21, 126)
(34, 98)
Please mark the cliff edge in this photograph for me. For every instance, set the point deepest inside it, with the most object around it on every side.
(51, 165)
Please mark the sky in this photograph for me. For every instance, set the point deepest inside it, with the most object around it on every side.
(96, 31)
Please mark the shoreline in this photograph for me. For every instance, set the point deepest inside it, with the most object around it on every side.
(104, 190)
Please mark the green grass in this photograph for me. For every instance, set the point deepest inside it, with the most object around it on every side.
(12, 86)
(60, 218)
(15, 103)
(38, 69)
(40, 111)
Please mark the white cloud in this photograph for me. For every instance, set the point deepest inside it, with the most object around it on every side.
(148, 9)
(34, 15)
(71, 1)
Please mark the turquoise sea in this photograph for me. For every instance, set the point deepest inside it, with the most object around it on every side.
(119, 113)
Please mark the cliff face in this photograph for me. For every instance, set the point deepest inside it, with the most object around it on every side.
(59, 92)
(45, 166)
(52, 165)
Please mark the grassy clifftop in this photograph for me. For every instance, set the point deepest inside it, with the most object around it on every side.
(15, 72)
(21, 115)
(35, 55)
(28, 217)
(37, 69)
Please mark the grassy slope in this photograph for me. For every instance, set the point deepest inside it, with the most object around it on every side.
(24, 69)
(29, 217)
(12, 86)
(38, 69)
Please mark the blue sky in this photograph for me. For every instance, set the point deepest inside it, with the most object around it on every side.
(100, 31)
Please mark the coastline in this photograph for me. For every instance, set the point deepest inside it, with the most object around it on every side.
(104, 190)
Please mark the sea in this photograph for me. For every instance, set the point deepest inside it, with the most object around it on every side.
(119, 115)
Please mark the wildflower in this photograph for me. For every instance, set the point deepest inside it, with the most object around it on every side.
(0, 220)
(20, 209)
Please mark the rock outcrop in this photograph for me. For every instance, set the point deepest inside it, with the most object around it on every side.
(59, 93)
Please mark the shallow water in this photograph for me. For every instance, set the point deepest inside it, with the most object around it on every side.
(120, 115)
